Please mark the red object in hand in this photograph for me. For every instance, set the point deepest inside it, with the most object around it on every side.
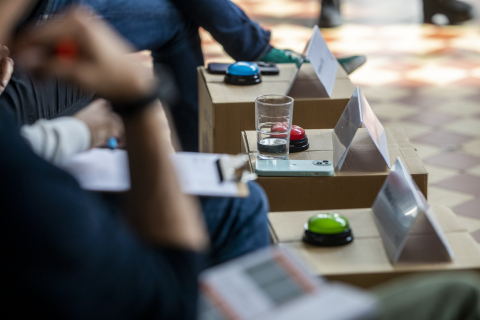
(297, 133)
(66, 49)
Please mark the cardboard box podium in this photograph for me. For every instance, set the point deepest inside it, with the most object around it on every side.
(355, 186)
(226, 110)
(364, 262)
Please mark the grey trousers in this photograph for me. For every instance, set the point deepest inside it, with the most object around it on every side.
(439, 297)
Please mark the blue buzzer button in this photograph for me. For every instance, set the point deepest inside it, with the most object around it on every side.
(243, 73)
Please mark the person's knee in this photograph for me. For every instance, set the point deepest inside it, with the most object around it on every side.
(258, 199)
(462, 284)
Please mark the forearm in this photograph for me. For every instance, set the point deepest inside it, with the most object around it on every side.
(157, 208)
(57, 140)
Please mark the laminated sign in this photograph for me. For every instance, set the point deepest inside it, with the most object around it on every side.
(273, 284)
(358, 113)
(320, 83)
(409, 229)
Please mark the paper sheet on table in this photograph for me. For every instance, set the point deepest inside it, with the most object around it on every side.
(107, 170)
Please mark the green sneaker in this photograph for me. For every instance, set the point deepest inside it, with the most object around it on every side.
(352, 63)
(283, 56)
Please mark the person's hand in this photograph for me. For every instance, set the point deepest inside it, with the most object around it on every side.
(11, 12)
(102, 122)
(95, 56)
(6, 68)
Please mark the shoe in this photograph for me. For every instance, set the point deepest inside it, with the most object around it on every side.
(352, 63)
(455, 11)
(330, 16)
(283, 56)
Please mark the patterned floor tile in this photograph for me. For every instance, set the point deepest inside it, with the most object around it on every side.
(392, 110)
(431, 118)
(443, 139)
(386, 94)
(419, 100)
(476, 236)
(465, 183)
(412, 130)
(459, 107)
(472, 147)
(451, 92)
(437, 174)
(469, 126)
(475, 171)
(474, 97)
(435, 74)
(454, 160)
(425, 150)
(470, 208)
(437, 195)
(471, 224)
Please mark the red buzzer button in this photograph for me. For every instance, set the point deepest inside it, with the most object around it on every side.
(297, 133)
(279, 127)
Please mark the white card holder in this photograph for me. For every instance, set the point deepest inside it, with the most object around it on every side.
(358, 113)
(409, 229)
(316, 79)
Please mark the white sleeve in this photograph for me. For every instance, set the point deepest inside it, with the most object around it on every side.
(59, 139)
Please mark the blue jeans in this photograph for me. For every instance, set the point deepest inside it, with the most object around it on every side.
(170, 30)
(236, 225)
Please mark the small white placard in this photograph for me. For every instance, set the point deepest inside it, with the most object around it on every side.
(325, 65)
(107, 171)
(410, 230)
(272, 284)
(357, 113)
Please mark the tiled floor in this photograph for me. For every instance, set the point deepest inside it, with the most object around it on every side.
(421, 77)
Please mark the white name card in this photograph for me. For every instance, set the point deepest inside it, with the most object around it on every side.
(357, 113)
(272, 284)
(325, 65)
(410, 230)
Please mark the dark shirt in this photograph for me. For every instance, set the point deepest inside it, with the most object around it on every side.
(68, 257)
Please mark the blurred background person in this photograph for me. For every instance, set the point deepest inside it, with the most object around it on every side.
(456, 12)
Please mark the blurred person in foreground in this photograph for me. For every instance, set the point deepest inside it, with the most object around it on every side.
(236, 225)
(68, 258)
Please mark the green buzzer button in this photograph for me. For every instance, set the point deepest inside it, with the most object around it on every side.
(328, 229)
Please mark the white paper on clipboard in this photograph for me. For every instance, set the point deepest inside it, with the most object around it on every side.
(272, 284)
(107, 171)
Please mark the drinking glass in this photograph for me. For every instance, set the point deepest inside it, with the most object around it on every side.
(273, 121)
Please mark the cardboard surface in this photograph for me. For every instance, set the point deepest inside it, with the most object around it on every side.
(364, 262)
(226, 110)
(356, 186)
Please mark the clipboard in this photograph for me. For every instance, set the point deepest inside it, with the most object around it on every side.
(200, 174)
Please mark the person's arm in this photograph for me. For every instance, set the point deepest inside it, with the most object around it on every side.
(69, 257)
(158, 210)
(6, 68)
(59, 139)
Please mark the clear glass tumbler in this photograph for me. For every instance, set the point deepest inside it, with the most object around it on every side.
(273, 121)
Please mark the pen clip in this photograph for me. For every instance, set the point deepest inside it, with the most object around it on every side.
(234, 168)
